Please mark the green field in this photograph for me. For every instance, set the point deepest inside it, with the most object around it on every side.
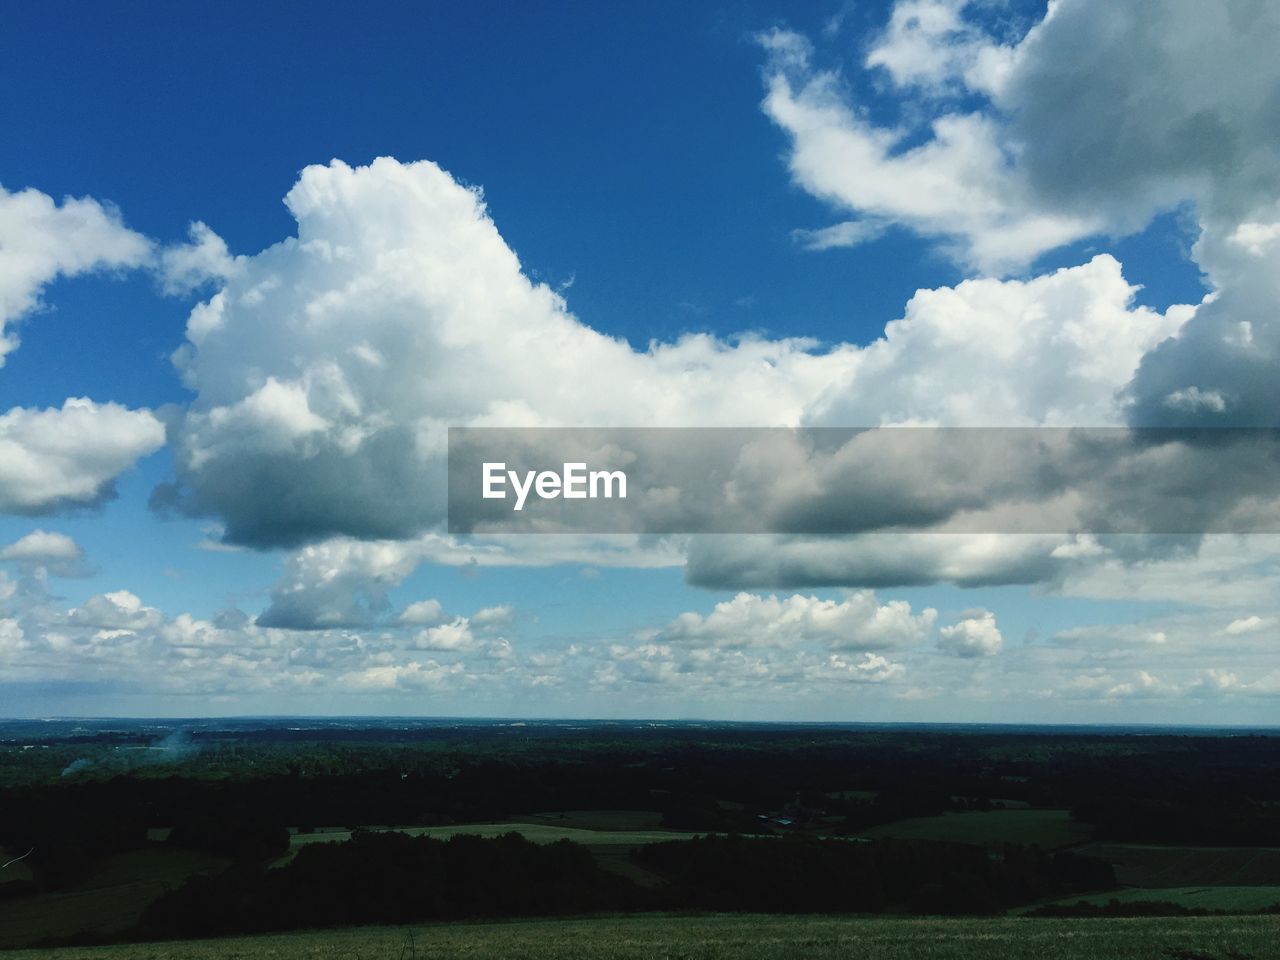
(744, 937)
(610, 845)
(603, 819)
(1228, 899)
(1156, 865)
(548, 832)
(1048, 829)
(112, 897)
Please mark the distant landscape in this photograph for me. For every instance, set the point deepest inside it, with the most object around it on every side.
(1163, 842)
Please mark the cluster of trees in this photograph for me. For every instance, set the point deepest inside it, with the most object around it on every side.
(1182, 816)
(245, 836)
(66, 840)
(802, 874)
(393, 878)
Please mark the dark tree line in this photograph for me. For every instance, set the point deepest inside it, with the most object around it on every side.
(802, 874)
(393, 878)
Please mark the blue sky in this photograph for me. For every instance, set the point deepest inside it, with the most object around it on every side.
(663, 169)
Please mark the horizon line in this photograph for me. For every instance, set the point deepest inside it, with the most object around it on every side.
(1160, 725)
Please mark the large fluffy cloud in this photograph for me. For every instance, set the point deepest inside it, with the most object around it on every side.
(328, 366)
(41, 240)
(1167, 109)
(1054, 350)
(1127, 109)
(1221, 369)
(960, 185)
(1100, 116)
(70, 455)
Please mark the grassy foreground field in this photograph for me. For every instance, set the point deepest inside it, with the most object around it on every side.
(745, 937)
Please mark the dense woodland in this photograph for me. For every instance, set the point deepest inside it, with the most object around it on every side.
(787, 806)
(394, 878)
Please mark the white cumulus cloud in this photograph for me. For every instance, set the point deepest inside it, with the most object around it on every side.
(41, 240)
(858, 622)
(974, 635)
(327, 367)
(70, 455)
(40, 546)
